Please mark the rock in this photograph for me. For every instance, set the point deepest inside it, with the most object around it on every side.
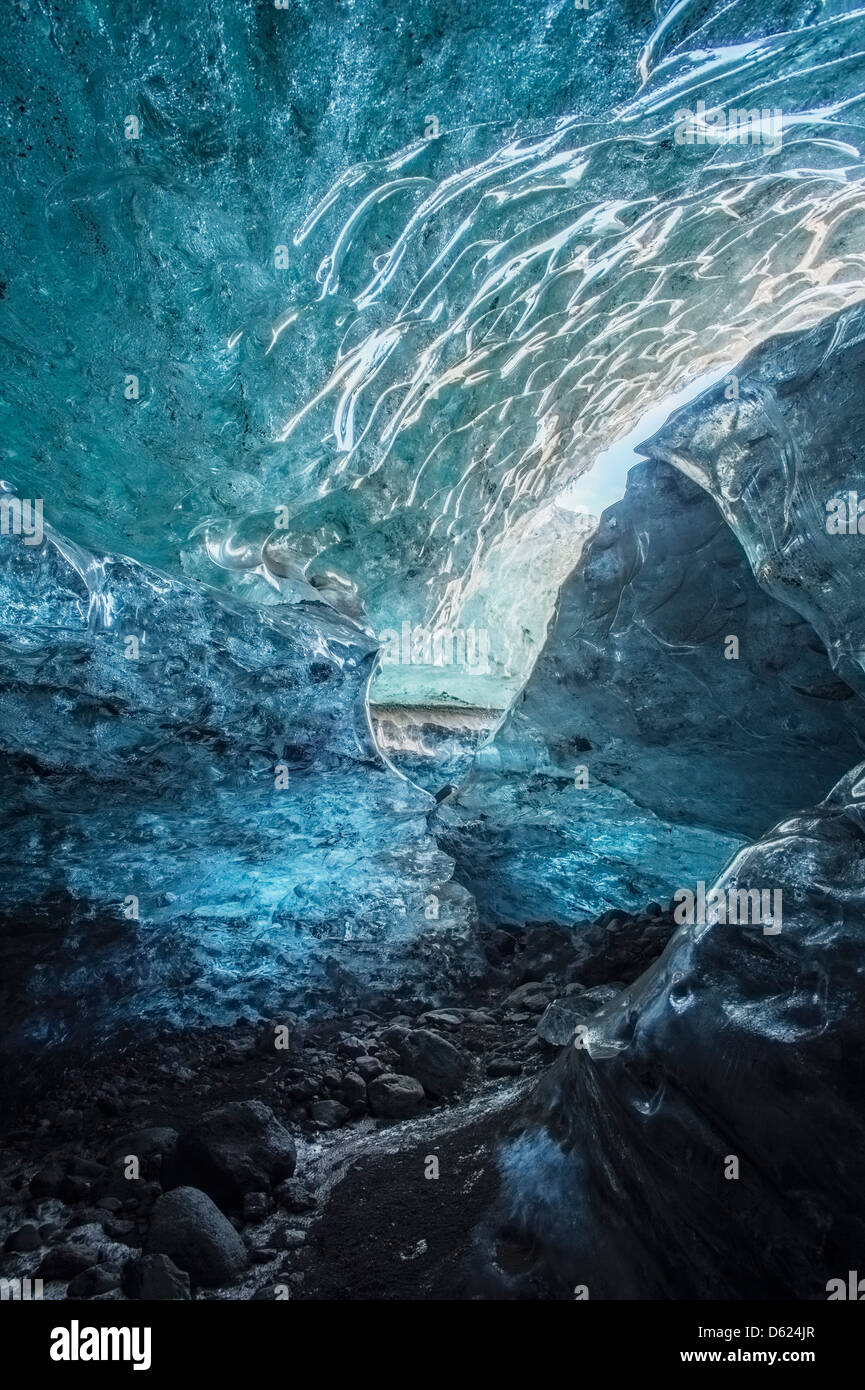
(74, 1190)
(66, 1260)
(123, 1231)
(80, 1167)
(292, 1240)
(547, 948)
(502, 942)
(108, 1103)
(393, 1035)
(46, 1183)
(330, 1114)
(255, 1206)
(503, 1066)
(188, 1227)
(353, 1088)
(145, 1143)
(238, 1148)
(442, 1018)
(296, 1196)
(620, 923)
(110, 1204)
(305, 1087)
(93, 1282)
(439, 1066)
(281, 1037)
(368, 1068)
(351, 1047)
(531, 997)
(22, 1241)
(395, 1097)
(155, 1278)
(153, 1147)
(144, 1194)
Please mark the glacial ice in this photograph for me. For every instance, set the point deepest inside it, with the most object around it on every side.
(704, 1138)
(197, 822)
(776, 457)
(410, 344)
(736, 1045)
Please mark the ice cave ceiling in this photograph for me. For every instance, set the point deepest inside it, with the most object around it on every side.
(384, 298)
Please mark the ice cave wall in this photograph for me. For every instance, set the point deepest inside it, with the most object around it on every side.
(197, 823)
(784, 460)
(703, 1138)
(736, 1045)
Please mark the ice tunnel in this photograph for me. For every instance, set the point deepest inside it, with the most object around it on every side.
(430, 551)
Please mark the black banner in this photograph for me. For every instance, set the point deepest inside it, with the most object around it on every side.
(234, 1337)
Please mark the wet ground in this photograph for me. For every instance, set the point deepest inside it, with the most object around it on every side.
(379, 1207)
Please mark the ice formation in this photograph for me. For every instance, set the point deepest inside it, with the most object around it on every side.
(310, 320)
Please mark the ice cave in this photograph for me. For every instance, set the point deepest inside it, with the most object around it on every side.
(433, 437)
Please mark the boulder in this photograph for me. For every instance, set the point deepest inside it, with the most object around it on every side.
(330, 1114)
(437, 1064)
(368, 1068)
(531, 998)
(155, 1278)
(24, 1240)
(187, 1226)
(93, 1282)
(66, 1260)
(46, 1183)
(353, 1088)
(237, 1148)
(395, 1097)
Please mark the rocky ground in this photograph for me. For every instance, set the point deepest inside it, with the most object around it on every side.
(334, 1158)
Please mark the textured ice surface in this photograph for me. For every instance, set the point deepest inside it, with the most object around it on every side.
(675, 711)
(777, 458)
(263, 337)
(734, 1045)
(458, 324)
(197, 822)
(433, 747)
